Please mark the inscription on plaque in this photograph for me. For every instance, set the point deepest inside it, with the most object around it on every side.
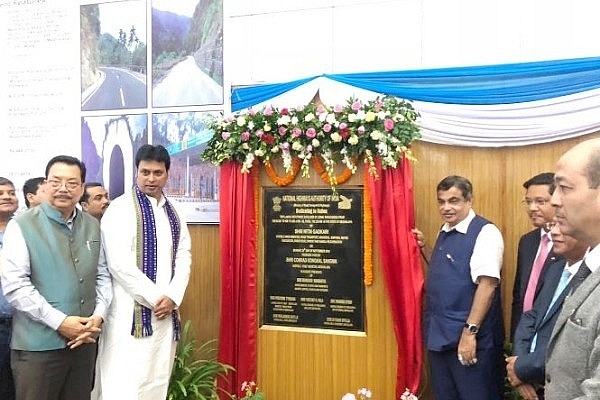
(313, 258)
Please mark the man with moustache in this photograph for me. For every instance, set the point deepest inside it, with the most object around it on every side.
(525, 369)
(535, 247)
(55, 277)
(573, 358)
(462, 322)
(95, 200)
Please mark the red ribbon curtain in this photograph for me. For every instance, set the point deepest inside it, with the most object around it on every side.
(392, 204)
(238, 327)
(393, 217)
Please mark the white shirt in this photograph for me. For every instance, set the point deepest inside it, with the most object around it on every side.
(488, 251)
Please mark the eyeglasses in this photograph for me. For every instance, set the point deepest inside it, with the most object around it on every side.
(537, 202)
(55, 184)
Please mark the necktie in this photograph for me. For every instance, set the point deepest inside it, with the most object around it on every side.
(580, 276)
(562, 284)
(536, 270)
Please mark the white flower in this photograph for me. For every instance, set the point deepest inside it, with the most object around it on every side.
(336, 137)
(331, 119)
(352, 118)
(349, 396)
(251, 125)
(259, 152)
(297, 146)
(381, 114)
(294, 120)
(353, 140)
(315, 143)
(309, 117)
(376, 135)
(284, 120)
(241, 120)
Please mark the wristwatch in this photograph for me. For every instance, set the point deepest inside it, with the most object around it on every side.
(474, 329)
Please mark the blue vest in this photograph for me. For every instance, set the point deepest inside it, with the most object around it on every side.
(449, 292)
(64, 265)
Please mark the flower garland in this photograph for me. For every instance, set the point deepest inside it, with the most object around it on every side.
(384, 127)
(327, 177)
(368, 234)
(289, 177)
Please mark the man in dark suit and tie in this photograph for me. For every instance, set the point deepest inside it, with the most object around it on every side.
(535, 248)
(573, 357)
(525, 369)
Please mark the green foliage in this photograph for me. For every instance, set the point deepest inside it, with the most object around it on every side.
(196, 369)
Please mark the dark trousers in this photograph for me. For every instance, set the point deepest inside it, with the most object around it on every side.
(55, 374)
(7, 386)
(452, 381)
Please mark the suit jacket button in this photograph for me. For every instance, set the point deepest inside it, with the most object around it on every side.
(548, 378)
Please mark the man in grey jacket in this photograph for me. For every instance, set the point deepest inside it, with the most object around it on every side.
(573, 358)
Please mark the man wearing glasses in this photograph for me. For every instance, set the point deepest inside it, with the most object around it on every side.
(55, 276)
(534, 253)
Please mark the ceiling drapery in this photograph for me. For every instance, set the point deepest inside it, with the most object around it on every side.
(486, 106)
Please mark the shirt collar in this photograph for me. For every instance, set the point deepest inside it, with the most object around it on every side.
(462, 226)
(592, 258)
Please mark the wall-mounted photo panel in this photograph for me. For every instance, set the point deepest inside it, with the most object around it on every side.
(192, 182)
(187, 52)
(113, 55)
(108, 147)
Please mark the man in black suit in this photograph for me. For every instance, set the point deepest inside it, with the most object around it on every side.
(525, 369)
(533, 245)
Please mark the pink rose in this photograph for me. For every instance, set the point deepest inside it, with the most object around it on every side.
(361, 130)
(268, 111)
(282, 130)
(388, 124)
(356, 106)
(251, 112)
(285, 111)
(245, 136)
(225, 135)
(338, 108)
(296, 132)
(259, 133)
(311, 133)
(327, 128)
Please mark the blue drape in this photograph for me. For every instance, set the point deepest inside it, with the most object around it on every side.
(479, 85)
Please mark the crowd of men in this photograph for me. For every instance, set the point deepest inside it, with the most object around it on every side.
(555, 316)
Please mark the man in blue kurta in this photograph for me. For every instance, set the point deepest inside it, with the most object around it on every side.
(462, 325)
(59, 285)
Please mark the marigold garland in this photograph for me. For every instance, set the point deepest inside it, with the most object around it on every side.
(368, 233)
(320, 169)
(288, 178)
(256, 184)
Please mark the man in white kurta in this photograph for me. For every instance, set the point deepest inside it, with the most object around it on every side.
(131, 367)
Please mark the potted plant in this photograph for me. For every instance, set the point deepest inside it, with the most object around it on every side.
(195, 369)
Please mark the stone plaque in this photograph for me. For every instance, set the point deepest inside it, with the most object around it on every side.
(314, 258)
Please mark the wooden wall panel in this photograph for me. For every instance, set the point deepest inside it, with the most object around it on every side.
(297, 365)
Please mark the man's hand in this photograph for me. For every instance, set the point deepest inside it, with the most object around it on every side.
(79, 330)
(513, 379)
(164, 307)
(527, 391)
(467, 348)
